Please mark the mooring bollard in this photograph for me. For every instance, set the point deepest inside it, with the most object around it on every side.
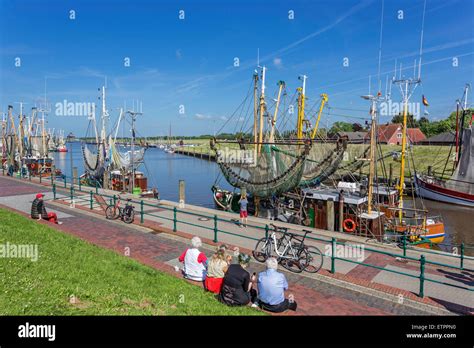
(215, 228)
(91, 201)
(174, 219)
(333, 257)
(142, 213)
(422, 276)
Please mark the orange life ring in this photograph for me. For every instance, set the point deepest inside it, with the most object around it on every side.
(32, 165)
(349, 225)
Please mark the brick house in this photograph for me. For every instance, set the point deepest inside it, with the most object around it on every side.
(392, 134)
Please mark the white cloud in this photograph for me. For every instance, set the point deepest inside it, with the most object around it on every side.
(202, 117)
(277, 62)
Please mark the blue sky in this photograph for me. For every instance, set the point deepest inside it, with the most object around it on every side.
(189, 62)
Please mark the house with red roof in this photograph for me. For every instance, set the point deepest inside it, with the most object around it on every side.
(392, 134)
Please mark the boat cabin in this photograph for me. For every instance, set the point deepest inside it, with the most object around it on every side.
(121, 182)
(343, 211)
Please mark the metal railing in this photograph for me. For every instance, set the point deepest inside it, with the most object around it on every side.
(61, 183)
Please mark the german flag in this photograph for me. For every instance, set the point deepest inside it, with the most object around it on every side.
(424, 100)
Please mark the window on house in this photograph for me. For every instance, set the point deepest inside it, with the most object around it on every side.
(399, 135)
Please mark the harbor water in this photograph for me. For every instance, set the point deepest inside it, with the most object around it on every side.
(164, 171)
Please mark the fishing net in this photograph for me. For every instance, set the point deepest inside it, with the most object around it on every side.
(37, 148)
(462, 179)
(94, 162)
(123, 160)
(276, 169)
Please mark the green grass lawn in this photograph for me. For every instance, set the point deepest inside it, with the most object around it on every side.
(73, 277)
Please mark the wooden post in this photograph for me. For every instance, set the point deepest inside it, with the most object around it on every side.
(341, 212)
(430, 170)
(330, 214)
(182, 196)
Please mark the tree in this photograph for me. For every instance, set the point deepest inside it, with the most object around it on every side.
(411, 122)
(340, 126)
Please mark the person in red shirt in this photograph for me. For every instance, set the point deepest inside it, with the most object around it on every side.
(195, 261)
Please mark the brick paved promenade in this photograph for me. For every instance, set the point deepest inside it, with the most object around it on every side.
(353, 290)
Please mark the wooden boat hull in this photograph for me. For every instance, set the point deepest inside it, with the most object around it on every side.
(442, 194)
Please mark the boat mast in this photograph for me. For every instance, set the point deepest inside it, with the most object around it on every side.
(272, 130)
(133, 115)
(255, 112)
(92, 118)
(324, 99)
(407, 87)
(21, 130)
(463, 114)
(301, 102)
(373, 112)
(262, 110)
(104, 118)
(118, 124)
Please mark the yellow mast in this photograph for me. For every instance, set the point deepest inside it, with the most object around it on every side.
(255, 113)
(324, 99)
(272, 131)
(21, 134)
(301, 102)
(404, 143)
(12, 124)
(372, 155)
(262, 110)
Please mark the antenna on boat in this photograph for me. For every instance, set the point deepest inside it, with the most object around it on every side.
(380, 46)
(421, 39)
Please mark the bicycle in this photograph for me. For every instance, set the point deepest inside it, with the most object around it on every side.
(289, 250)
(115, 211)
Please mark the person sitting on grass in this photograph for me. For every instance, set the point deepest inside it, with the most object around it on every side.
(271, 289)
(194, 261)
(237, 285)
(38, 210)
(216, 269)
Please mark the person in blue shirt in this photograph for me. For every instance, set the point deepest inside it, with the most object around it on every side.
(271, 289)
(243, 210)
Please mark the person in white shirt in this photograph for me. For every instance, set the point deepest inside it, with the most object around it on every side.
(194, 261)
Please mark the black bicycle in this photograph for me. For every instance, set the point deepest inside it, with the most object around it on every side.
(290, 251)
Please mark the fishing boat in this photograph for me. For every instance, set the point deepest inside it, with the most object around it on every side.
(107, 164)
(61, 144)
(459, 188)
(25, 149)
(267, 162)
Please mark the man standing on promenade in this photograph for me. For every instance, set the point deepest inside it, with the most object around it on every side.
(243, 210)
